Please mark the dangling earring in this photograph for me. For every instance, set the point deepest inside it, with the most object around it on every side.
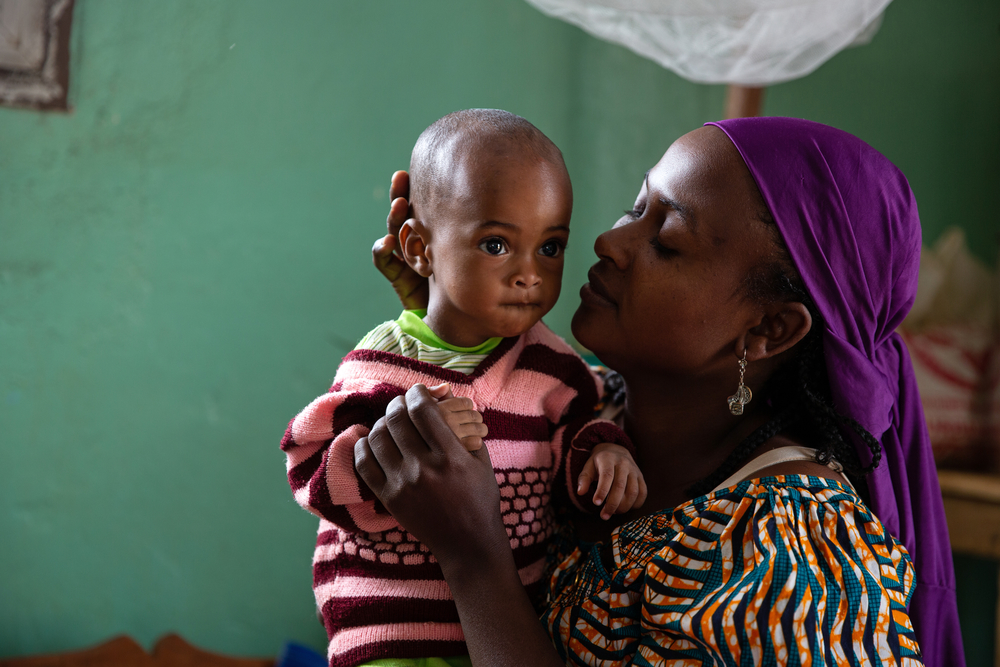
(743, 393)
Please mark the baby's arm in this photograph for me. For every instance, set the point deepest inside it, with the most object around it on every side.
(620, 485)
(597, 449)
(319, 449)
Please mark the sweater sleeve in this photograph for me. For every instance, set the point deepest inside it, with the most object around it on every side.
(319, 450)
(583, 430)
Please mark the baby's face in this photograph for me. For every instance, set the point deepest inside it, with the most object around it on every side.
(496, 250)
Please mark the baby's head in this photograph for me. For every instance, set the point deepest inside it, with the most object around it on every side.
(490, 203)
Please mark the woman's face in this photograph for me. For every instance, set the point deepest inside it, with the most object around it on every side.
(666, 295)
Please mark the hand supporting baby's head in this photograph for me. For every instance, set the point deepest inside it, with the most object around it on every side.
(490, 203)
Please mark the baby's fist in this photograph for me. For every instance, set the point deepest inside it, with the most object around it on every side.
(465, 421)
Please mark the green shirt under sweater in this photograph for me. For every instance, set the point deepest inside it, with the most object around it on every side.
(409, 336)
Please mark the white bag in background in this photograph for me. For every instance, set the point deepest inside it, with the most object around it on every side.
(952, 336)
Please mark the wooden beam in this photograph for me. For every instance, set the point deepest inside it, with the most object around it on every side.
(972, 505)
(743, 101)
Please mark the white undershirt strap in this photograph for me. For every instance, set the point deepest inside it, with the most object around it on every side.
(774, 457)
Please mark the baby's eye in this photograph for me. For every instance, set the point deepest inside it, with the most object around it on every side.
(551, 248)
(494, 246)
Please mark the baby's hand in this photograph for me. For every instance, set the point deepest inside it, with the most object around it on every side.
(620, 486)
(463, 418)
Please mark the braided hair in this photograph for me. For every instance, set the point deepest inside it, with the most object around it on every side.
(799, 391)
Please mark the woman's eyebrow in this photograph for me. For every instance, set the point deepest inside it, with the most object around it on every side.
(687, 215)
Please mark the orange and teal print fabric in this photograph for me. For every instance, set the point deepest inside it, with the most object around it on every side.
(790, 570)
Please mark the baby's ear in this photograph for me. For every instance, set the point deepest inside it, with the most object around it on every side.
(413, 238)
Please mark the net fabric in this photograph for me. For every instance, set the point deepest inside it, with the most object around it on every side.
(745, 42)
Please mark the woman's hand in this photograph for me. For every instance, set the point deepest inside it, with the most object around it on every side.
(410, 286)
(448, 498)
(443, 494)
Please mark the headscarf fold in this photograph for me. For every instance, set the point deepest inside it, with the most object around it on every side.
(849, 219)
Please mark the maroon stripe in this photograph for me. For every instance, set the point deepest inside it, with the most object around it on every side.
(399, 649)
(319, 499)
(506, 426)
(300, 474)
(496, 355)
(568, 368)
(437, 372)
(347, 565)
(415, 365)
(364, 407)
(327, 537)
(372, 611)
(343, 613)
(286, 440)
(356, 566)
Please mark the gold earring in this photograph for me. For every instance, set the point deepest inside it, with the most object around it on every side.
(743, 393)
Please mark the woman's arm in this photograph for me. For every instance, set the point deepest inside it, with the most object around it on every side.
(448, 498)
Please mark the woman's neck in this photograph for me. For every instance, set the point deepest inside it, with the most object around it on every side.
(681, 437)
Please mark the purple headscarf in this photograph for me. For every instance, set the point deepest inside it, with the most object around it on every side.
(850, 222)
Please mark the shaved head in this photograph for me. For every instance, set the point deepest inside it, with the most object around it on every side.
(470, 138)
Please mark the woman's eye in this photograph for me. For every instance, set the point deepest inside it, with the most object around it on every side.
(660, 248)
(493, 246)
(635, 212)
(551, 249)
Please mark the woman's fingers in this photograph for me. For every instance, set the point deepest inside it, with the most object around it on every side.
(385, 260)
(382, 441)
(411, 288)
(367, 465)
(399, 211)
(399, 186)
(409, 442)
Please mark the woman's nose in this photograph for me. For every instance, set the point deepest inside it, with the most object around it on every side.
(612, 245)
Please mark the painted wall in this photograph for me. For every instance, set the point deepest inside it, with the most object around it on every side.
(184, 260)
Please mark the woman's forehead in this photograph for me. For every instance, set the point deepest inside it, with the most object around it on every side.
(702, 169)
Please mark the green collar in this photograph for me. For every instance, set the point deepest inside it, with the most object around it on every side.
(412, 323)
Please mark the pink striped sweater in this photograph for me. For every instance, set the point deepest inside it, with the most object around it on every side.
(380, 592)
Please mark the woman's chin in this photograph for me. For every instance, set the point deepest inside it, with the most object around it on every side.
(588, 332)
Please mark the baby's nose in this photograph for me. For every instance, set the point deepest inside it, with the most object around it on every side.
(528, 280)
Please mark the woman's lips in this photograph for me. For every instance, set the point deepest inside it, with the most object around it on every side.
(595, 293)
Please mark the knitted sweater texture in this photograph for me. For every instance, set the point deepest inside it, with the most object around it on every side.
(380, 591)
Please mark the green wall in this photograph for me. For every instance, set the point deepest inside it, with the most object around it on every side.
(184, 260)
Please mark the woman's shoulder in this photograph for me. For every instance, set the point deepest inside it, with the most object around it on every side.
(750, 568)
(793, 512)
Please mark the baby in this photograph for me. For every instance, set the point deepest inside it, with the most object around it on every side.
(490, 204)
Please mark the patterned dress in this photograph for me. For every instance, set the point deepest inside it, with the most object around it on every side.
(788, 570)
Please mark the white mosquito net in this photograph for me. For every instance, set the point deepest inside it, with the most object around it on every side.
(746, 42)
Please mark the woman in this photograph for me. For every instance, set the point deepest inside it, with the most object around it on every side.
(769, 254)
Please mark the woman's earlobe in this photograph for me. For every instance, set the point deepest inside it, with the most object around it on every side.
(413, 245)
